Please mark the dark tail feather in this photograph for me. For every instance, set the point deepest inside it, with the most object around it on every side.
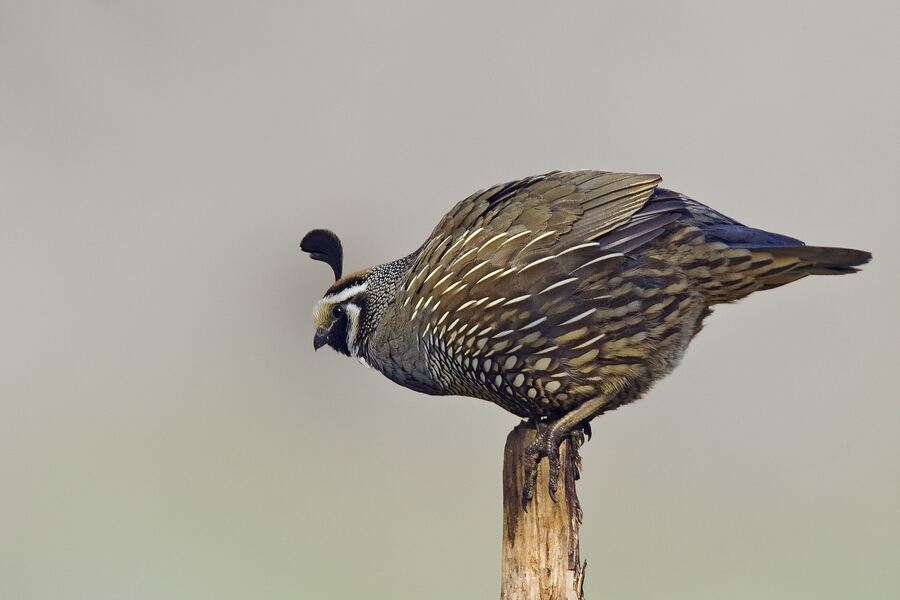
(824, 261)
(773, 261)
(818, 260)
(791, 263)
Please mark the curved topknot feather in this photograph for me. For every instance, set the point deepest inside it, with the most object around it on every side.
(324, 245)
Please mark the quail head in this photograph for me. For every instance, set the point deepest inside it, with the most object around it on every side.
(557, 297)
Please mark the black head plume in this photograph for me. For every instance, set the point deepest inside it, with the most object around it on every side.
(324, 245)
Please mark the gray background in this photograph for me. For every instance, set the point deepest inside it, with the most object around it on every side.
(166, 430)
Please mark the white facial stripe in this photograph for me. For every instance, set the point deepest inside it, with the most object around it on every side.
(353, 319)
(346, 294)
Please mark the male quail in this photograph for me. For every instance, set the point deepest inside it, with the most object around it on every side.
(558, 297)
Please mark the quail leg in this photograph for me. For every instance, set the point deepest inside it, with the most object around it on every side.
(549, 437)
(542, 446)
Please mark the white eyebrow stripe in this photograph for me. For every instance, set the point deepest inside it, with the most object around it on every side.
(589, 342)
(557, 284)
(533, 324)
(604, 257)
(540, 237)
(346, 294)
(579, 317)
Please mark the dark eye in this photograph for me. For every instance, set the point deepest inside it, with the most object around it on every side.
(337, 311)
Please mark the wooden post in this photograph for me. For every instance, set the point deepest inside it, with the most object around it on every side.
(540, 545)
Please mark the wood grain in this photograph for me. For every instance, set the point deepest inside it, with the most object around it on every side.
(541, 560)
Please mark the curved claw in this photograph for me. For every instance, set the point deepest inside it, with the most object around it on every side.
(550, 436)
(546, 444)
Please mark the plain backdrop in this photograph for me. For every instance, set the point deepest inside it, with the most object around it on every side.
(166, 430)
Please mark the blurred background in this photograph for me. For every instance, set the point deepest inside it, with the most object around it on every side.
(166, 430)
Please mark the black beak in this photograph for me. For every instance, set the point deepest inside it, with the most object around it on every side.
(319, 340)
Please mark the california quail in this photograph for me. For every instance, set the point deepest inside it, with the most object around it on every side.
(557, 297)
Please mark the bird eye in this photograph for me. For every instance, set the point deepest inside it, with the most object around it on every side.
(337, 311)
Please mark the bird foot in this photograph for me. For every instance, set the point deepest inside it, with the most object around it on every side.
(546, 444)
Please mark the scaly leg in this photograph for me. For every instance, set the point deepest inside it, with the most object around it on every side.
(549, 437)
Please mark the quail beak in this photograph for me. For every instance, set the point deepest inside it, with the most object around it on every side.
(320, 339)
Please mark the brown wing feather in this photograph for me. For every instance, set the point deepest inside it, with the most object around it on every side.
(543, 293)
(538, 215)
(490, 264)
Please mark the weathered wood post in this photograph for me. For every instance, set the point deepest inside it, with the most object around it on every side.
(540, 546)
